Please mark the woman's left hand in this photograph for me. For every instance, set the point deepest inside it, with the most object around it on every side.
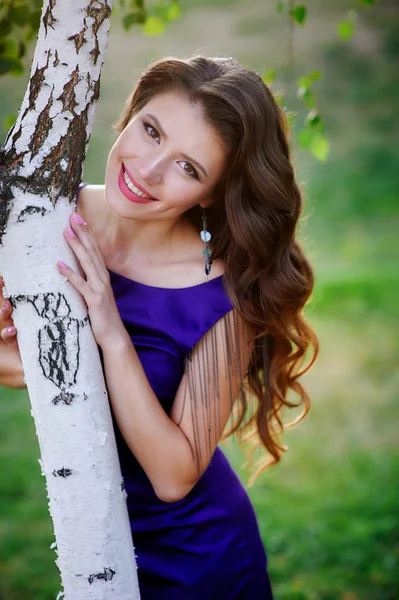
(96, 289)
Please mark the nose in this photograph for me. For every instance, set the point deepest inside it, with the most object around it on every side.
(151, 172)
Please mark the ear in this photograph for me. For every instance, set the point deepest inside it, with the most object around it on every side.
(206, 203)
(211, 199)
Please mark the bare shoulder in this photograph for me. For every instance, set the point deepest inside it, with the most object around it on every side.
(91, 205)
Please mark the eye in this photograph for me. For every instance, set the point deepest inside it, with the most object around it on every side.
(189, 169)
(152, 132)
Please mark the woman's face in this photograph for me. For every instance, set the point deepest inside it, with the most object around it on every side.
(167, 152)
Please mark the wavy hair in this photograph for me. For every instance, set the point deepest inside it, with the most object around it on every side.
(253, 225)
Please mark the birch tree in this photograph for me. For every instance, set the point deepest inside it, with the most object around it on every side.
(40, 169)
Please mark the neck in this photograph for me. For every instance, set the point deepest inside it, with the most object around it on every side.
(150, 242)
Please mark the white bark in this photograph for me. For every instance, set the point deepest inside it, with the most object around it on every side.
(40, 168)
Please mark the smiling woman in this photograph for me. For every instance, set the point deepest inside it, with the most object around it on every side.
(178, 166)
(195, 286)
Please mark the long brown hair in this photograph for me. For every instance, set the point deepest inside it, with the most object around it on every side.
(267, 276)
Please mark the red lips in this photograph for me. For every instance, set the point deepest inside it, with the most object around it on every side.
(128, 192)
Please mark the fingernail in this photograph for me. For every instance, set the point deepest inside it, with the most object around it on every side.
(61, 264)
(11, 330)
(4, 306)
(78, 219)
(70, 232)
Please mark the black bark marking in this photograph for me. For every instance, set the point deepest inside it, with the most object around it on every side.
(35, 85)
(58, 366)
(8, 161)
(16, 136)
(56, 59)
(99, 11)
(79, 39)
(68, 97)
(72, 149)
(95, 52)
(43, 126)
(96, 90)
(60, 332)
(107, 575)
(31, 210)
(48, 19)
(63, 472)
(123, 486)
(65, 398)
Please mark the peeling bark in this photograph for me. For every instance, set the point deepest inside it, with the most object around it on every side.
(40, 169)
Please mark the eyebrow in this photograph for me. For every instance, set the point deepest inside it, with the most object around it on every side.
(186, 156)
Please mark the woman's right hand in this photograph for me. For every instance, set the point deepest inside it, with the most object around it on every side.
(11, 370)
(8, 331)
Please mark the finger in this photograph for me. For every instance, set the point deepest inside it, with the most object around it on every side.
(9, 335)
(5, 314)
(77, 281)
(84, 257)
(89, 242)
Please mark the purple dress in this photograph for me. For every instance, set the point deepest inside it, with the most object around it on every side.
(206, 546)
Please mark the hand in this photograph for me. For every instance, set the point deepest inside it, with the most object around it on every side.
(96, 289)
(8, 331)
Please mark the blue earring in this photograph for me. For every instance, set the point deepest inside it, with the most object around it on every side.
(205, 237)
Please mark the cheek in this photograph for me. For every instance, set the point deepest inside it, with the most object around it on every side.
(179, 186)
(181, 192)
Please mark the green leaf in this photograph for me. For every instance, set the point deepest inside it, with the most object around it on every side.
(129, 20)
(307, 80)
(305, 137)
(5, 27)
(345, 29)
(9, 121)
(153, 26)
(299, 14)
(34, 19)
(320, 147)
(21, 49)
(269, 76)
(19, 15)
(307, 96)
(10, 65)
(9, 47)
(174, 12)
(313, 119)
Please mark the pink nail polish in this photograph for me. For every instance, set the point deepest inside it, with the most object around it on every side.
(62, 265)
(70, 232)
(78, 219)
(4, 306)
(11, 330)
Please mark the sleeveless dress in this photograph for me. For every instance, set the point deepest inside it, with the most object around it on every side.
(206, 546)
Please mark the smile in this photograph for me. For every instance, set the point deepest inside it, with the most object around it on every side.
(131, 189)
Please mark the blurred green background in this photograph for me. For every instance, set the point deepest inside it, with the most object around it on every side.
(329, 512)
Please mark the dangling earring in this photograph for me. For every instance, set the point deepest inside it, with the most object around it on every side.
(205, 237)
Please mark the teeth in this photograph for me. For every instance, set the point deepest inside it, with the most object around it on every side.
(133, 187)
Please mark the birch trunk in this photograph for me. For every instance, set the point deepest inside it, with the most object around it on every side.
(40, 169)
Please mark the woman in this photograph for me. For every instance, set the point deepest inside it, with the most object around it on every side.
(200, 174)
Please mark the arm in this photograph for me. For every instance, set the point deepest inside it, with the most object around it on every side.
(11, 372)
(175, 450)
